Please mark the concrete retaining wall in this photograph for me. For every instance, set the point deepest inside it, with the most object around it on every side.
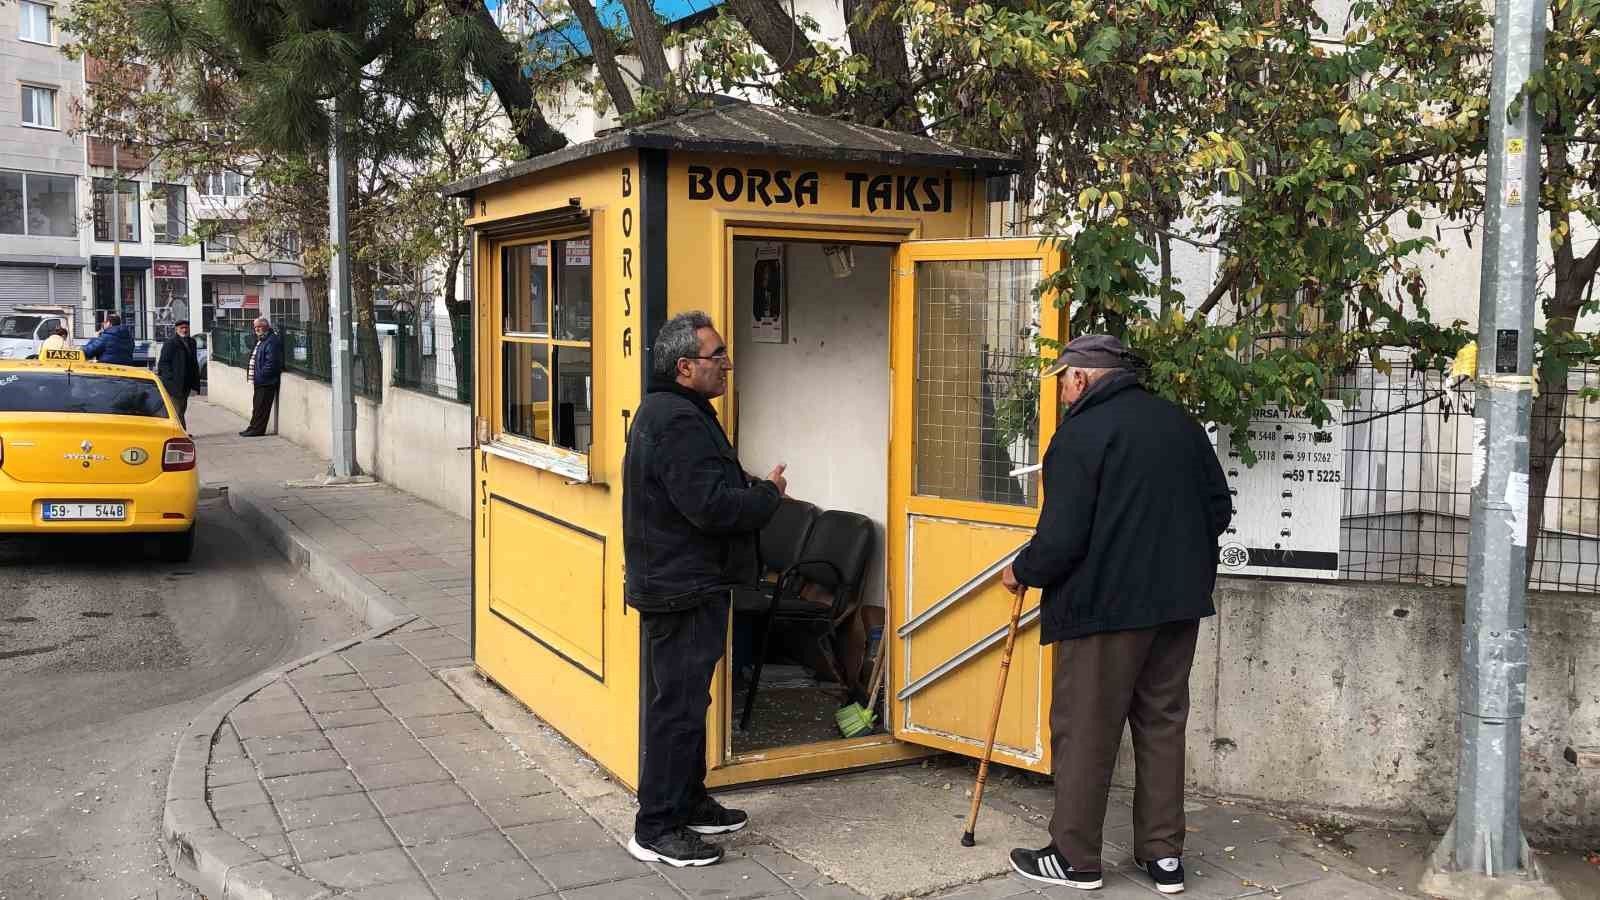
(1342, 699)
(411, 440)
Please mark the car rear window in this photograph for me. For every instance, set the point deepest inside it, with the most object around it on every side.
(18, 326)
(65, 392)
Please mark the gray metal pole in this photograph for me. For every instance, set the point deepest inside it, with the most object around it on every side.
(339, 300)
(1494, 653)
(116, 233)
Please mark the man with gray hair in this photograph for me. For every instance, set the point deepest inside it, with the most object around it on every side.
(264, 371)
(1126, 556)
(690, 517)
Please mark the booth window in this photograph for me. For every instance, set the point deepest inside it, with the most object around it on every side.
(546, 334)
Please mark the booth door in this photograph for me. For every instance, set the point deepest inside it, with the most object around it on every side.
(967, 414)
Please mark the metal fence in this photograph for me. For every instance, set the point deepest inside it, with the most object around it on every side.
(306, 351)
(434, 356)
(1407, 496)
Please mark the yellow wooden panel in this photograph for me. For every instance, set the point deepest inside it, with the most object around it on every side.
(943, 555)
(548, 579)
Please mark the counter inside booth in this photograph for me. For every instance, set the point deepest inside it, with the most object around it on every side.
(879, 344)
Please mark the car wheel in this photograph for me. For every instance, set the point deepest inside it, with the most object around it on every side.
(177, 548)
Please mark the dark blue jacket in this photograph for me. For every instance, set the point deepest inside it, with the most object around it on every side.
(1134, 501)
(112, 345)
(269, 364)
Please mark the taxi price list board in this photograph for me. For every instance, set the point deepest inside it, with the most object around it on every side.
(1286, 507)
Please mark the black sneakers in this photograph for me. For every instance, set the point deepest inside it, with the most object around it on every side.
(675, 848)
(1166, 872)
(714, 818)
(1049, 866)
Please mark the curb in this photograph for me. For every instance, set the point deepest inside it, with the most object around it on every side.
(219, 865)
(360, 596)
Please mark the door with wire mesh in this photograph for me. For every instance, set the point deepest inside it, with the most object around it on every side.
(971, 423)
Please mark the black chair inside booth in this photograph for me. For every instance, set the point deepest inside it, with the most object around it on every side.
(828, 549)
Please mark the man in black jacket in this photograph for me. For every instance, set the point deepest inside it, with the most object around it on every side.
(179, 368)
(689, 522)
(1126, 555)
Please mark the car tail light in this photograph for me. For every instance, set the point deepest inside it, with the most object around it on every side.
(178, 456)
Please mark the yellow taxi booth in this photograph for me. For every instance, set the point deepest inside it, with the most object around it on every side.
(879, 341)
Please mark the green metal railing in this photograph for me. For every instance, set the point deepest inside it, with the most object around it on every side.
(306, 351)
(435, 357)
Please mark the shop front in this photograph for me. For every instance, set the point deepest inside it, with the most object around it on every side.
(880, 346)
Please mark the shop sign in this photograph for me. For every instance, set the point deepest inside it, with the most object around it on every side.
(172, 269)
(785, 187)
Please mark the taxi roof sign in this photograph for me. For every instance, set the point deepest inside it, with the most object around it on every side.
(61, 355)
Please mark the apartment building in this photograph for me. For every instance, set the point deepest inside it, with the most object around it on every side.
(77, 211)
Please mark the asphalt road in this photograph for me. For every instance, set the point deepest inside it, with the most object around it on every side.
(104, 655)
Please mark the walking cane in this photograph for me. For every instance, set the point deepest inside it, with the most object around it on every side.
(967, 839)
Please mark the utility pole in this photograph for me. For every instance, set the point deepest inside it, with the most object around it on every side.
(116, 233)
(339, 300)
(1485, 840)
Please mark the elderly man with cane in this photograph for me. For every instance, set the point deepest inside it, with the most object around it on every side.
(1126, 556)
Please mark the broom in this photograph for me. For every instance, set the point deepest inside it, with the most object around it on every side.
(853, 719)
(967, 838)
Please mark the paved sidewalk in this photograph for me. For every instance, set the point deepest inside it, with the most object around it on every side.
(362, 772)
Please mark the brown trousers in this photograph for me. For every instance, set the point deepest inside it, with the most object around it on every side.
(1140, 677)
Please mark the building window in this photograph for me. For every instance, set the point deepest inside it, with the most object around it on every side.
(38, 205)
(223, 184)
(546, 331)
(171, 214)
(223, 241)
(36, 24)
(128, 210)
(38, 106)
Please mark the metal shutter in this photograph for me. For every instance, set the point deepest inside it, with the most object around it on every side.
(23, 285)
(68, 286)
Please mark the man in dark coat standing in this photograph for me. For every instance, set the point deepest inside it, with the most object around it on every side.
(690, 517)
(114, 343)
(1126, 556)
(179, 368)
(264, 371)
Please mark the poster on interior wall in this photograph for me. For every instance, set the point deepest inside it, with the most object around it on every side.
(1287, 506)
(769, 300)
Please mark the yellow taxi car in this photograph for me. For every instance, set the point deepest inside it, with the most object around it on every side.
(90, 448)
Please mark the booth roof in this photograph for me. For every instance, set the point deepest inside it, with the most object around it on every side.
(751, 129)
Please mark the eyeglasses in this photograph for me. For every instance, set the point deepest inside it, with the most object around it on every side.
(720, 356)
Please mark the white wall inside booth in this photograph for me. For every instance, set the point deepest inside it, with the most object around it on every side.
(820, 401)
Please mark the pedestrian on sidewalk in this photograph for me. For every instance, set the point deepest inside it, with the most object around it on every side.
(179, 369)
(690, 517)
(1126, 555)
(114, 343)
(264, 371)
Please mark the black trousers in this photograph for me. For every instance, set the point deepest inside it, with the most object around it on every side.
(180, 405)
(261, 408)
(681, 654)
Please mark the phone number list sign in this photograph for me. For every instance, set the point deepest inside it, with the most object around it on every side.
(1286, 507)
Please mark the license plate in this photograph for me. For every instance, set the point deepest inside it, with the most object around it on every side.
(58, 512)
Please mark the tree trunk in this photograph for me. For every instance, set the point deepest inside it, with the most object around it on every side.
(771, 26)
(1546, 436)
(648, 44)
(605, 60)
(876, 34)
(501, 65)
(458, 310)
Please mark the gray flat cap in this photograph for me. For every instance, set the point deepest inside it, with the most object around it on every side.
(1091, 351)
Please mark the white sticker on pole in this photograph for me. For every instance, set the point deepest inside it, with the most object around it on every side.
(1480, 449)
(1517, 499)
(1516, 159)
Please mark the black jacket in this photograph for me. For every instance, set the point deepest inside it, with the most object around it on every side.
(179, 366)
(1134, 501)
(689, 514)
